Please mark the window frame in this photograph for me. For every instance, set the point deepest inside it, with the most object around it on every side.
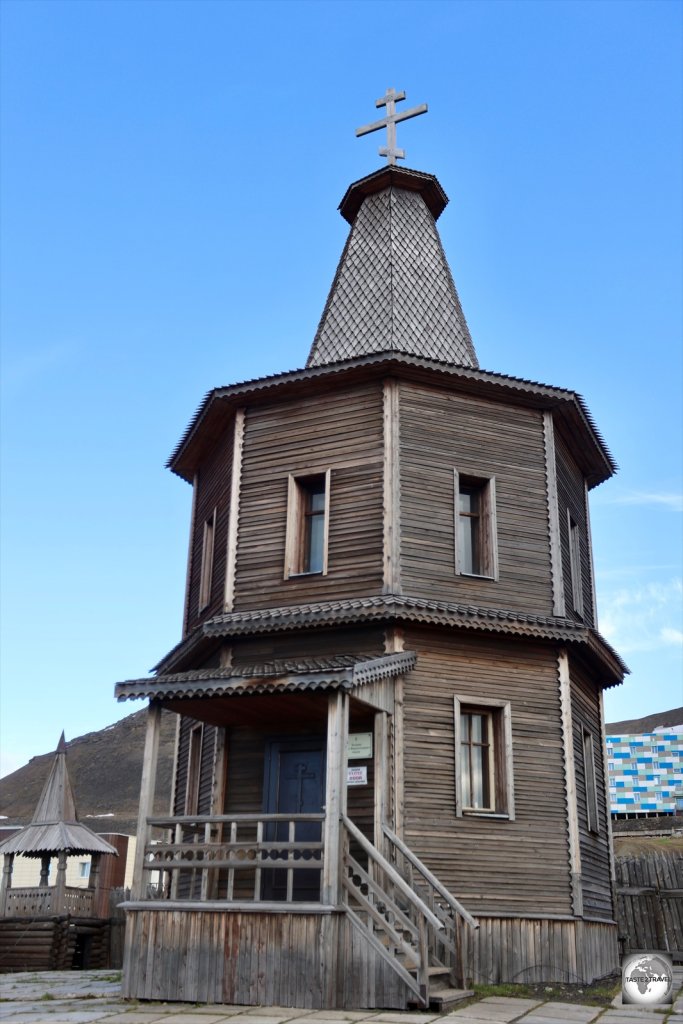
(206, 569)
(575, 567)
(296, 541)
(487, 527)
(502, 793)
(590, 781)
(194, 768)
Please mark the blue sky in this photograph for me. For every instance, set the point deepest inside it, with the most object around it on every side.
(170, 177)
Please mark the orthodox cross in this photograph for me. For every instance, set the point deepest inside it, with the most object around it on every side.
(389, 100)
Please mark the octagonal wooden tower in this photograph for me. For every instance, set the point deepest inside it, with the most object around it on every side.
(390, 773)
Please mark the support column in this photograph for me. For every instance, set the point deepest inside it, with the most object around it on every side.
(6, 883)
(382, 781)
(44, 870)
(59, 906)
(147, 787)
(335, 790)
(570, 784)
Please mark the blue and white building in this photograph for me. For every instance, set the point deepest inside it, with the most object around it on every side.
(645, 772)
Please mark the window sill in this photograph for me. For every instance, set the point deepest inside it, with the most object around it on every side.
(478, 576)
(299, 575)
(467, 813)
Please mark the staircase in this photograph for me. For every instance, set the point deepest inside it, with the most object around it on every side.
(408, 917)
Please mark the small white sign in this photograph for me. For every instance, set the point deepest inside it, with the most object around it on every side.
(357, 775)
(360, 745)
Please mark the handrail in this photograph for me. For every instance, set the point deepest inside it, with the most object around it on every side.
(432, 879)
(393, 874)
(223, 819)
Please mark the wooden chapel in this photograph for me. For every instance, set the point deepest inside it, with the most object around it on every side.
(390, 773)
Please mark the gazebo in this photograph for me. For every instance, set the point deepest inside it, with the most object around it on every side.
(54, 831)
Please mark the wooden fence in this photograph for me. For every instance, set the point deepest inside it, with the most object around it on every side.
(650, 903)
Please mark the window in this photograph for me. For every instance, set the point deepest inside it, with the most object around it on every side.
(475, 549)
(84, 869)
(194, 764)
(205, 578)
(483, 757)
(575, 565)
(589, 779)
(307, 524)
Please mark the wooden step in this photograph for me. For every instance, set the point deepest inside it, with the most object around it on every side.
(444, 999)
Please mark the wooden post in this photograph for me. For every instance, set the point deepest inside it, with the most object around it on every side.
(381, 776)
(391, 501)
(58, 906)
(6, 883)
(149, 772)
(234, 511)
(45, 870)
(553, 514)
(335, 790)
(570, 784)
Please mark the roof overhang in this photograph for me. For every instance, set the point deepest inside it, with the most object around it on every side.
(220, 404)
(341, 673)
(393, 176)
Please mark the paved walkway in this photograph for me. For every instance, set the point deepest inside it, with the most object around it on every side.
(83, 997)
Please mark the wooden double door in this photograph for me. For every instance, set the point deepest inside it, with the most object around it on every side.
(294, 783)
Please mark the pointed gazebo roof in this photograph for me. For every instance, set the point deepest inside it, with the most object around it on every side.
(55, 825)
(393, 290)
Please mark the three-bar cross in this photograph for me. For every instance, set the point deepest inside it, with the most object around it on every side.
(389, 100)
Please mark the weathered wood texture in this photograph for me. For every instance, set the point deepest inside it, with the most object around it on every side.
(440, 432)
(321, 643)
(487, 863)
(213, 492)
(344, 434)
(289, 959)
(54, 944)
(650, 902)
(594, 846)
(571, 496)
(206, 765)
(520, 950)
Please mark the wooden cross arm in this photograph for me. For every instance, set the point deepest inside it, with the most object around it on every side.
(395, 118)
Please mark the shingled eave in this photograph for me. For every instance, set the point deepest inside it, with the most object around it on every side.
(220, 404)
(391, 609)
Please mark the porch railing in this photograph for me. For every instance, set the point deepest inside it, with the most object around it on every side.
(404, 912)
(235, 857)
(44, 901)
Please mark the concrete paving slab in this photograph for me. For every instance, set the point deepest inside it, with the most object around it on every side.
(258, 1016)
(398, 1017)
(495, 1009)
(342, 1014)
(572, 1013)
(625, 1016)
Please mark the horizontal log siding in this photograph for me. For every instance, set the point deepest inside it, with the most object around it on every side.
(319, 644)
(494, 865)
(595, 864)
(440, 432)
(571, 496)
(213, 492)
(311, 961)
(301, 437)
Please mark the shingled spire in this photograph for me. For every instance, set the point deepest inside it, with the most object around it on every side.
(393, 290)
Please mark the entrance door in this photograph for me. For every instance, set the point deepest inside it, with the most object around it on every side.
(294, 784)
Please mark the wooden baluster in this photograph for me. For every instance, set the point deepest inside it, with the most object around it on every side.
(177, 856)
(423, 971)
(257, 872)
(204, 889)
(231, 871)
(290, 857)
(147, 787)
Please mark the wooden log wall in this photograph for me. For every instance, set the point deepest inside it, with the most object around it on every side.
(594, 846)
(441, 432)
(36, 945)
(489, 864)
(343, 434)
(206, 765)
(307, 960)
(213, 492)
(650, 902)
(321, 643)
(571, 497)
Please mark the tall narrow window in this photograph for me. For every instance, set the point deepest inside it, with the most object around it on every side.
(575, 565)
(590, 782)
(307, 524)
(206, 574)
(476, 760)
(483, 757)
(475, 548)
(194, 763)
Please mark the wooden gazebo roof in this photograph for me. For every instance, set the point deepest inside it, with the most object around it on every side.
(55, 826)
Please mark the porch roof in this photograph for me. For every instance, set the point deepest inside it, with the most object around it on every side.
(342, 671)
